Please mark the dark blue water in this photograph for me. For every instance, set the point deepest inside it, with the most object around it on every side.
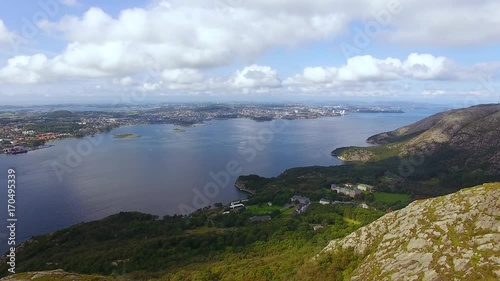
(168, 171)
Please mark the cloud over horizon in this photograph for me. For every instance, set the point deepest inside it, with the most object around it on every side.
(185, 44)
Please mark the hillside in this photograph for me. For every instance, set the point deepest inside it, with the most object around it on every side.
(206, 245)
(459, 139)
(57, 274)
(453, 237)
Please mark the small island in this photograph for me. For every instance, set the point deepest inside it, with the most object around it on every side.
(127, 136)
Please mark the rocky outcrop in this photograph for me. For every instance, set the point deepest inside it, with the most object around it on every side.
(357, 155)
(57, 274)
(453, 237)
(242, 186)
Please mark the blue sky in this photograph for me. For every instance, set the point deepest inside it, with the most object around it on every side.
(86, 51)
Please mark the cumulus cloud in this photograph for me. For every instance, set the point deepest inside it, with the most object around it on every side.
(255, 76)
(182, 40)
(124, 81)
(196, 35)
(150, 87)
(182, 76)
(368, 68)
(182, 37)
(24, 69)
(426, 66)
(434, 92)
(448, 23)
(6, 36)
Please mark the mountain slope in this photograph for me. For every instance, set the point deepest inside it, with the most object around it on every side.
(453, 237)
(461, 138)
(57, 274)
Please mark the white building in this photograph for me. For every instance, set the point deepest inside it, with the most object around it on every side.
(351, 192)
(324, 201)
(365, 187)
(235, 206)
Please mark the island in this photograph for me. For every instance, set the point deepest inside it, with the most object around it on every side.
(127, 136)
(177, 129)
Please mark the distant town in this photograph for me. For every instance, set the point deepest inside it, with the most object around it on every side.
(25, 129)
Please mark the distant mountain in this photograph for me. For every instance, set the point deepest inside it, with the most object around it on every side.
(453, 237)
(458, 139)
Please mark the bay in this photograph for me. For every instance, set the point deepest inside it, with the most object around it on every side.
(168, 169)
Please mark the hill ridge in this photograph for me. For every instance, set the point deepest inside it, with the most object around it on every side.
(443, 238)
(462, 138)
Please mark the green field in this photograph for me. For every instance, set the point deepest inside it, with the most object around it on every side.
(351, 221)
(391, 197)
(264, 209)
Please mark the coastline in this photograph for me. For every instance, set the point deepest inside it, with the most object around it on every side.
(240, 185)
(29, 149)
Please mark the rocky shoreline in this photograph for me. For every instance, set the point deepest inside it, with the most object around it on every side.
(242, 187)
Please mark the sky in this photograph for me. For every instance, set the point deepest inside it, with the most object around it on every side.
(124, 51)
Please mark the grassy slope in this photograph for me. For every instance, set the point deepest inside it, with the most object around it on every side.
(391, 197)
(138, 246)
(342, 263)
(287, 255)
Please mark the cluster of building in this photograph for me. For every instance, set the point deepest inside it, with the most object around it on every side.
(18, 143)
(14, 150)
(324, 201)
(199, 113)
(351, 190)
(235, 206)
(303, 204)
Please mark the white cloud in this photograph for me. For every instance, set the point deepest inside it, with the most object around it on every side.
(150, 87)
(447, 23)
(181, 41)
(6, 36)
(255, 76)
(182, 37)
(320, 74)
(434, 92)
(368, 68)
(182, 76)
(124, 81)
(456, 93)
(24, 69)
(426, 66)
